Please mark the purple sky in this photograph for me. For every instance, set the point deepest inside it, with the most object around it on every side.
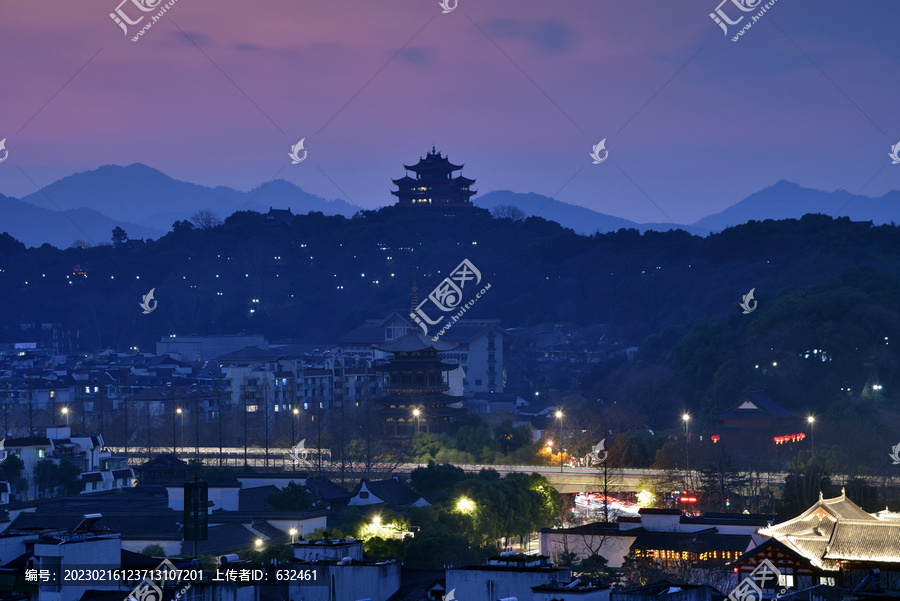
(518, 91)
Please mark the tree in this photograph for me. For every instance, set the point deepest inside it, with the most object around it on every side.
(119, 237)
(508, 212)
(11, 471)
(436, 477)
(205, 219)
(292, 497)
(511, 438)
(51, 479)
(154, 551)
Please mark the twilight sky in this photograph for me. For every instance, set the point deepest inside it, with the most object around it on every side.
(216, 93)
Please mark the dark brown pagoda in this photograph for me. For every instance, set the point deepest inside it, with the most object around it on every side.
(415, 389)
(434, 184)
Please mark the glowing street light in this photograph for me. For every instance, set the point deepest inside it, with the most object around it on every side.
(416, 414)
(296, 413)
(258, 543)
(465, 505)
(180, 412)
(293, 533)
(686, 417)
(559, 416)
(811, 420)
(65, 411)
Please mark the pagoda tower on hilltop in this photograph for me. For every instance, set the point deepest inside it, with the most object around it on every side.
(434, 184)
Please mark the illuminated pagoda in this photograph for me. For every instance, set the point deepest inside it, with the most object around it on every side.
(434, 184)
(415, 387)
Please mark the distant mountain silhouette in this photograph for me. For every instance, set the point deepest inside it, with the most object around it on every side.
(787, 200)
(580, 219)
(154, 200)
(35, 225)
(146, 202)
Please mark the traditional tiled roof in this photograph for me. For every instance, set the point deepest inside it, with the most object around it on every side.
(862, 540)
(756, 405)
(836, 530)
(414, 341)
(392, 492)
(27, 441)
(249, 353)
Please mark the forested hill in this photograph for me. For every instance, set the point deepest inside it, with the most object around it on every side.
(321, 276)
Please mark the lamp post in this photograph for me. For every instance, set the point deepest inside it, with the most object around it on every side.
(811, 420)
(180, 412)
(296, 417)
(65, 411)
(417, 413)
(559, 416)
(687, 445)
(293, 533)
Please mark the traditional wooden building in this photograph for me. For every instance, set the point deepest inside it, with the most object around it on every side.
(434, 184)
(833, 543)
(415, 387)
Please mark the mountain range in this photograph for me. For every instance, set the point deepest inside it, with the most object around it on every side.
(146, 202)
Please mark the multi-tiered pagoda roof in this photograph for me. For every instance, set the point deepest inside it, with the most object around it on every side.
(415, 396)
(434, 183)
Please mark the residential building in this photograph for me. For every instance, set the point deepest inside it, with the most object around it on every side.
(348, 579)
(509, 575)
(98, 468)
(205, 348)
(666, 535)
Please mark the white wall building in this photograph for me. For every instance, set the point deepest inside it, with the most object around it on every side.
(350, 581)
(509, 576)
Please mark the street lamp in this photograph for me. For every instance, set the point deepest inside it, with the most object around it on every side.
(65, 411)
(811, 420)
(559, 416)
(293, 533)
(687, 443)
(417, 413)
(181, 413)
(296, 413)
